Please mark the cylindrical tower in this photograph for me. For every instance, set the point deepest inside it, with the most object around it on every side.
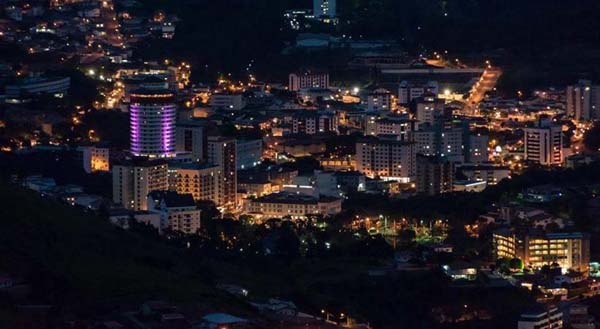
(152, 116)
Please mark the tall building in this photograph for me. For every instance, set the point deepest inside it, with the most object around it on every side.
(152, 123)
(201, 180)
(430, 110)
(308, 79)
(222, 152)
(134, 179)
(191, 138)
(583, 100)
(387, 159)
(440, 141)
(544, 143)
(249, 153)
(435, 175)
(571, 251)
(324, 8)
(476, 147)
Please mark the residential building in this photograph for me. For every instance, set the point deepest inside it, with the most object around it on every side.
(27, 87)
(583, 100)
(222, 152)
(485, 173)
(542, 317)
(440, 141)
(249, 153)
(191, 138)
(476, 147)
(430, 110)
(400, 127)
(435, 175)
(178, 212)
(152, 123)
(387, 159)
(571, 251)
(381, 100)
(134, 179)
(201, 180)
(312, 122)
(96, 158)
(227, 101)
(291, 204)
(544, 143)
(407, 92)
(308, 79)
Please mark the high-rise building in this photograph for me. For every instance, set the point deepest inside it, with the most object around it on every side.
(201, 180)
(571, 251)
(191, 138)
(543, 143)
(387, 159)
(435, 175)
(324, 8)
(152, 123)
(476, 147)
(222, 152)
(134, 179)
(583, 100)
(438, 141)
(308, 79)
(249, 153)
(430, 110)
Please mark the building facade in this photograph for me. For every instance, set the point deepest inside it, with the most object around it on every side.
(191, 138)
(222, 152)
(134, 180)
(544, 144)
(387, 159)
(308, 79)
(568, 250)
(152, 123)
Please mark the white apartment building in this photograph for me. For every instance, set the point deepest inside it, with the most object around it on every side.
(543, 144)
(228, 101)
(447, 143)
(134, 180)
(381, 100)
(308, 79)
(178, 212)
(198, 179)
(387, 159)
(408, 92)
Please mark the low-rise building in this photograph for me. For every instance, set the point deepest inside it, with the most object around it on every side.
(178, 212)
(293, 205)
(571, 251)
(541, 318)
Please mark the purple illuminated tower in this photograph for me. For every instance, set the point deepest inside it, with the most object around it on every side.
(152, 123)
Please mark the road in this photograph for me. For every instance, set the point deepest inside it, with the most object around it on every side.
(487, 82)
